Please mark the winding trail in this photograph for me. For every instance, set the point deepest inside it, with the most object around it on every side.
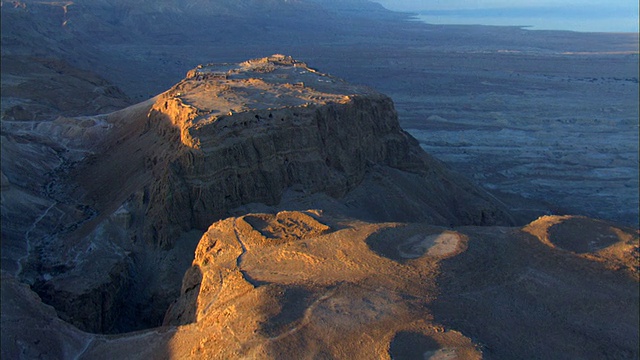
(246, 276)
(306, 319)
(84, 350)
(27, 239)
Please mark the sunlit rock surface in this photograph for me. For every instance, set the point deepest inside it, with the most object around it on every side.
(277, 285)
(265, 210)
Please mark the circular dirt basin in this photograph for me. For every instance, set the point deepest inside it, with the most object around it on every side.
(582, 235)
(403, 244)
(442, 244)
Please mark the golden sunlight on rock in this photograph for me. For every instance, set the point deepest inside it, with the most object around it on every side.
(437, 245)
(265, 210)
(309, 288)
(593, 239)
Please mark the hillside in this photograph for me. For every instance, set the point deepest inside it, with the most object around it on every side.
(125, 187)
(527, 113)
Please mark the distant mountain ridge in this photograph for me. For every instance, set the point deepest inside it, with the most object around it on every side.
(96, 34)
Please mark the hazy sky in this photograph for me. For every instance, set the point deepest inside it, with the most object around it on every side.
(414, 5)
(577, 15)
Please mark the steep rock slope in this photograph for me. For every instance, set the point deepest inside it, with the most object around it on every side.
(128, 188)
(250, 131)
(241, 133)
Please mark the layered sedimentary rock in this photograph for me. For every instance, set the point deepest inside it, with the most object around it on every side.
(124, 187)
(248, 131)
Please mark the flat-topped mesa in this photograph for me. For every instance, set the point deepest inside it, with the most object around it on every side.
(251, 92)
(253, 129)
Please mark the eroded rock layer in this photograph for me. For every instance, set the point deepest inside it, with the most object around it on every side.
(123, 188)
(249, 131)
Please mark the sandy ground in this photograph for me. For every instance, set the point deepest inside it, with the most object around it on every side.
(433, 245)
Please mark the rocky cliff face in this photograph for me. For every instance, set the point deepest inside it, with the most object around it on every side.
(112, 195)
(252, 130)
(266, 131)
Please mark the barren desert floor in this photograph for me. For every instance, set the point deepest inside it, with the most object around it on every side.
(555, 127)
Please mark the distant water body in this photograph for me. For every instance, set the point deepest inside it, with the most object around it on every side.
(600, 19)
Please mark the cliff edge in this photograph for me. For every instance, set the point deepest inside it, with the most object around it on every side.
(234, 134)
(228, 139)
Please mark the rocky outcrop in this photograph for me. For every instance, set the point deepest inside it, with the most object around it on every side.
(397, 290)
(122, 189)
(275, 285)
(295, 282)
(251, 131)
